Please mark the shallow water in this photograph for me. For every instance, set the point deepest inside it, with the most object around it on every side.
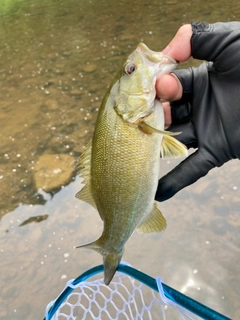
(56, 60)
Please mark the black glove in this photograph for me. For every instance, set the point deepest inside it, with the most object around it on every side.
(208, 115)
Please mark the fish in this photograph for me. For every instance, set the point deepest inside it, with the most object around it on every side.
(120, 166)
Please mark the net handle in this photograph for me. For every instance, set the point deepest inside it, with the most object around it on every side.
(177, 297)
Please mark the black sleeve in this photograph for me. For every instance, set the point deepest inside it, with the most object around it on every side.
(212, 90)
(208, 114)
(218, 42)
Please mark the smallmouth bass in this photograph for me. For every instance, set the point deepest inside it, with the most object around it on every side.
(120, 165)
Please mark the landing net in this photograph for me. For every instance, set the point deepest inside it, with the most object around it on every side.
(130, 295)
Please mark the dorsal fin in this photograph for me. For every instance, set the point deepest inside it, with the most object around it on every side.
(154, 222)
(84, 166)
(85, 194)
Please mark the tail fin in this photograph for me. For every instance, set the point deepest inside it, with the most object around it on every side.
(110, 263)
(111, 260)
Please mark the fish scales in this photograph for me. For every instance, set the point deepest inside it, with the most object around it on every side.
(125, 170)
(120, 167)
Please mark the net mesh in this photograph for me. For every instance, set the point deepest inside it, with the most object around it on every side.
(124, 299)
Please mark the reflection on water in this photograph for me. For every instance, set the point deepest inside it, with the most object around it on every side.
(56, 60)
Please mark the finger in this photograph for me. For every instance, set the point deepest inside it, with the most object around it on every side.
(180, 46)
(168, 87)
(167, 114)
(187, 132)
(187, 172)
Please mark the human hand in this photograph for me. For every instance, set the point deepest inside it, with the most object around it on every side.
(206, 105)
(168, 87)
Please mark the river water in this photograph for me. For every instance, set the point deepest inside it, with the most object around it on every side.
(57, 58)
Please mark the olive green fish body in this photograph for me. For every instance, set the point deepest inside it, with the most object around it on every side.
(120, 166)
(124, 174)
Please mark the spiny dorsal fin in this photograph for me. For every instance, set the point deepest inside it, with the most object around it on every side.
(154, 222)
(172, 148)
(84, 166)
(84, 161)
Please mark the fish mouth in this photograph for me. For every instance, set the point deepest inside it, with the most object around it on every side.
(151, 55)
(154, 56)
(168, 60)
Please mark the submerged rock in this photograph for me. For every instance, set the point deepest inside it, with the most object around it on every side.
(52, 171)
(90, 67)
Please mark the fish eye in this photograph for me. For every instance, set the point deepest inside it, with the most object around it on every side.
(129, 68)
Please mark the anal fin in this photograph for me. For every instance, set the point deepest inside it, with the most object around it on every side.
(154, 222)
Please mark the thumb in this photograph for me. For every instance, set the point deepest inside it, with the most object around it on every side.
(180, 46)
(187, 172)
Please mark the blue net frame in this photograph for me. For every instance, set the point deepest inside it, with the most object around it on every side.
(169, 295)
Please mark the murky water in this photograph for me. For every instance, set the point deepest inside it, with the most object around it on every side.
(56, 60)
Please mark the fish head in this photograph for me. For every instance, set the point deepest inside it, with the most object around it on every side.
(136, 94)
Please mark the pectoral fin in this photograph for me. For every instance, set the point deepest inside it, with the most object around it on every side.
(171, 147)
(154, 222)
(146, 128)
